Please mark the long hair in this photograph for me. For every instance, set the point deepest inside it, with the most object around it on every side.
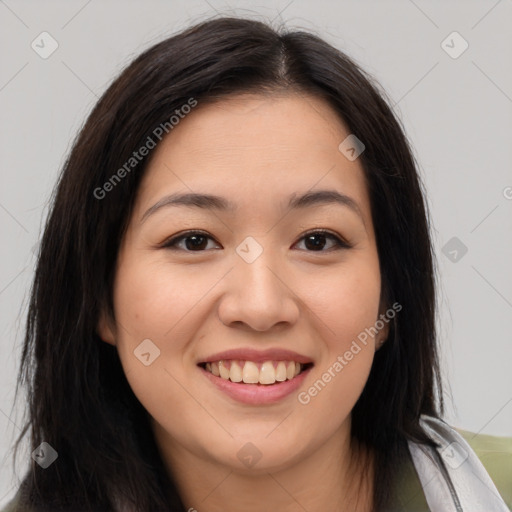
(79, 400)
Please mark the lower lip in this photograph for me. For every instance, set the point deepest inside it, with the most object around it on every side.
(257, 394)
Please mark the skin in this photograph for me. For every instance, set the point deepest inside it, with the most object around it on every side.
(255, 151)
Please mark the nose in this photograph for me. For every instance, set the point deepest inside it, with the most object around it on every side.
(258, 296)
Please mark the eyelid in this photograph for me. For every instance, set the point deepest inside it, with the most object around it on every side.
(340, 242)
(168, 242)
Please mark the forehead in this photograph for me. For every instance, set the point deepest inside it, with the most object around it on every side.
(268, 125)
(255, 150)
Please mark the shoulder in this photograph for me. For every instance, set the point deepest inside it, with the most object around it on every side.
(19, 502)
(478, 465)
(13, 505)
(495, 453)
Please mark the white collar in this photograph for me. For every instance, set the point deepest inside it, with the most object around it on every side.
(452, 476)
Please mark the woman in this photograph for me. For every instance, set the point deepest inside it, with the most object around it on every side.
(234, 303)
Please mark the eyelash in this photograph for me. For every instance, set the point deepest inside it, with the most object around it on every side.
(171, 242)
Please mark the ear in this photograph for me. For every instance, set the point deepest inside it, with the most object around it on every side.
(383, 333)
(105, 328)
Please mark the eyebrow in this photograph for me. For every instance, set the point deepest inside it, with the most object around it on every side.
(213, 202)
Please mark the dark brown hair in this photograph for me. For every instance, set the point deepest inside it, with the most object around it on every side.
(79, 399)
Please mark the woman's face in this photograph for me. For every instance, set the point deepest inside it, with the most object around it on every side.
(256, 289)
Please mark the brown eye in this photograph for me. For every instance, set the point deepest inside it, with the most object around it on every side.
(316, 241)
(195, 241)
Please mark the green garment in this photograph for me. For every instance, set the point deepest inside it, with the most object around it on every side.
(494, 452)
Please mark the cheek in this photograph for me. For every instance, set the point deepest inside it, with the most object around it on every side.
(329, 398)
(347, 300)
(152, 302)
(343, 370)
(347, 305)
(148, 307)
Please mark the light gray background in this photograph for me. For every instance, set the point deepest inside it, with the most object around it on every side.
(456, 112)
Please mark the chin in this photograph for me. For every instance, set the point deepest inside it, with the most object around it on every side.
(260, 454)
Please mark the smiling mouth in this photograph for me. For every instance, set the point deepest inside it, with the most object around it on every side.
(249, 372)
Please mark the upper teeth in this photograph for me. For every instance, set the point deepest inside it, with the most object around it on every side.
(251, 373)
